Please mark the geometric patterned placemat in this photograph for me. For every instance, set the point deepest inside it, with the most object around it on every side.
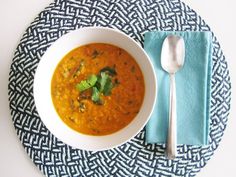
(136, 157)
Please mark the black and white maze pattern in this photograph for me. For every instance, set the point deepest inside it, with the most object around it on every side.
(135, 158)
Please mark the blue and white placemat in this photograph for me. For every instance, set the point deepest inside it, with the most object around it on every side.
(135, 158)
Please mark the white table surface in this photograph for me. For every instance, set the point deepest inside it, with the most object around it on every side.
(15, 17)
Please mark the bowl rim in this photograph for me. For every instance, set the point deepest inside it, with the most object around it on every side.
(37, 83)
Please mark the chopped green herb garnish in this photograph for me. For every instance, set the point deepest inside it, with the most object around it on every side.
(95, 94)
(105, 83)
(83, 85)
(92, 79)
(101, 85)
(107, 87)
(102, 79)
(88, 83)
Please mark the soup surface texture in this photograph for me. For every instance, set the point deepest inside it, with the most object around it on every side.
(97, 89)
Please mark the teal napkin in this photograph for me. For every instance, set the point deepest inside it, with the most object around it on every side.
(192, 89)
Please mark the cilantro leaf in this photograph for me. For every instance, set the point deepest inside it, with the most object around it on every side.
(105, 83)
(95, 95)
(83, 85)
(101, 84)
(88, 83)
(108, 86)
(92, 79)
(102, 81)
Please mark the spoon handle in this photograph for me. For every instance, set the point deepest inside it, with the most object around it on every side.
(171, 140)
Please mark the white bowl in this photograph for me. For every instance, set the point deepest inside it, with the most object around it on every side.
(42, 88)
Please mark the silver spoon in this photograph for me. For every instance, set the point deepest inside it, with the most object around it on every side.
(172, 59)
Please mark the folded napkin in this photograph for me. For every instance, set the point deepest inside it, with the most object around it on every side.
(192, 89)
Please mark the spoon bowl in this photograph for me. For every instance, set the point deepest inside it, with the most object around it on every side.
(172, 59)
(172, 55)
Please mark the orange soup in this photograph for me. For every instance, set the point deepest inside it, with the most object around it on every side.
(97, 89)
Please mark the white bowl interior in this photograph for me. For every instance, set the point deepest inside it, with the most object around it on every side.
(42, 87)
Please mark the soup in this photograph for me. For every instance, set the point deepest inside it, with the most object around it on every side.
(97, 89)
